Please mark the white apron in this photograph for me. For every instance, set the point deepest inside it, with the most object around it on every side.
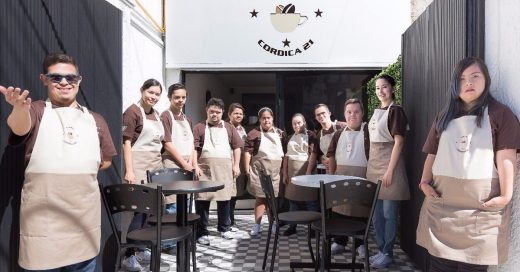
(297, 157)
(351, 160)
(182, 139)
(60, 211)
(381, 145)
(456, 226)
(241, 179)
(268, 159)
(215, 163)
(146, 155)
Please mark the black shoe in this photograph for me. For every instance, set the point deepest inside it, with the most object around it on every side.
(313, 234)
(290, 231)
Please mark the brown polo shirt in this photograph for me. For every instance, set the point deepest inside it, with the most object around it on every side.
(254, 138)
(338, 126)
(505, 129)
(133, 122)
(166, 120)
(334, 143)
(199, 133)
(397, 120)
(106, 145)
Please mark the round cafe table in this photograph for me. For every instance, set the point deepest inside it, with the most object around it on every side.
(182, 189)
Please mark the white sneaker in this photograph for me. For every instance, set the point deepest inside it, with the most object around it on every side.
(257, 228)
(203, 240)
(144, 256)
(376, 257)
(131, 264)
(382, 262)
(234, 229)
(228, 235)
(336, 248)
(361, 251)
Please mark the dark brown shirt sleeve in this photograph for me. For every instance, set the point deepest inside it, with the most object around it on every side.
(198, 136)
(312, 141)
(106, 145)
(367, 141)
(432, 140)
(397, 121)
(234, 138)
(505, 127)
(132, 123)
(166, 121)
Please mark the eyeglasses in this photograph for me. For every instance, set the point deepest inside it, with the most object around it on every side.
(57, 78)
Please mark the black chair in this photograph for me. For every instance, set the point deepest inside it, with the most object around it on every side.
(169, 175)
(348, 191)
(142, 199)
(294, 217)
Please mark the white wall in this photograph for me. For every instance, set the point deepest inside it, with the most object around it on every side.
(503, 60)
(142, 49)
(197, 84)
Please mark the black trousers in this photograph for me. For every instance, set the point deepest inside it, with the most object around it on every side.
(444, 265)
(202, 209)
(232, 204)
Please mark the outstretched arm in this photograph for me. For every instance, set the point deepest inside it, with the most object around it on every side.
(20, 119)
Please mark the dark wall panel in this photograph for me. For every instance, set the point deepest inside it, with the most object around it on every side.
(91, 32)
(431, 47)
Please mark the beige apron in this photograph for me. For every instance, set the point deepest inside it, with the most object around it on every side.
(381, 145)
(182, 139)
(241, 179)
(456, 226)
(146, 155)
(351, 160)
(297, 161)
(60, 211)
(215, 163)
(268, 159)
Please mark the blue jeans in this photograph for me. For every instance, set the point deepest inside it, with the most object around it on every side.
(85, 266)
(385, 225)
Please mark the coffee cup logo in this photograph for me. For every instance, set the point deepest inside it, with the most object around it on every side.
(285, 19)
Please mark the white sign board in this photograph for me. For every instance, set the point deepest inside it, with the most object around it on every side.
(204, 34)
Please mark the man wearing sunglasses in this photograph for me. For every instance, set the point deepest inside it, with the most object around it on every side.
(65, 147)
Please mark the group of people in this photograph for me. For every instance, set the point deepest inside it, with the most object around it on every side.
(467, 177)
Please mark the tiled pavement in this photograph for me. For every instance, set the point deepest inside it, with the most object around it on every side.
(245, 253)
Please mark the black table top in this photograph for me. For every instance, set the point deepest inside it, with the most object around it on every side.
(189, 186)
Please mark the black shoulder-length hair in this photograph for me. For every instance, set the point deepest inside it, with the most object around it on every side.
(455, 106)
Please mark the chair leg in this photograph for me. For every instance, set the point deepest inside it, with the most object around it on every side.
(354, 246)
(275, 245)
(367, 265)
(268, 240)
(309, 243)
(152, 261)
(194, 246)
(323, 252)
(318, 256)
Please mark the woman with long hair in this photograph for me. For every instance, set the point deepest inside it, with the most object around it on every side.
(468, 175)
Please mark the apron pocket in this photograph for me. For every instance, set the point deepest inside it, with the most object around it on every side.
(33, 215)
(488, 222)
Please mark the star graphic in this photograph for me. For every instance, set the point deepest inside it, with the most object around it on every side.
(286, 43)
(318, 13)
(254, 13)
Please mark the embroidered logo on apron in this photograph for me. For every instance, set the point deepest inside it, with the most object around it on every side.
(463, 143)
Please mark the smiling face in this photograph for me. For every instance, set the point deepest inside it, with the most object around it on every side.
(353, 115)
(266, 120)
(150, 96)
(384, 91)
(236, 116)
(322, 115)
(64, 93)
(298, 124)
(214, 114)
(178, 99)
(472, 83)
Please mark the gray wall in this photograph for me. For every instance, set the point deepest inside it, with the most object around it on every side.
(88, 30)
(445, 33)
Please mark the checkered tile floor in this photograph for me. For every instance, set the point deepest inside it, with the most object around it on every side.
(245, 253)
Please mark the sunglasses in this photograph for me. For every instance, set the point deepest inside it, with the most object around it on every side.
(57, 78)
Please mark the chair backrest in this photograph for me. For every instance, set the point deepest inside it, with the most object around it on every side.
(349, 191)
(132, 198)
(168, 175)
(267, 187)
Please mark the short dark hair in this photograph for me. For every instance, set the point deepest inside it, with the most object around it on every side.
(54, 58)
(217, 102)
(355, 101)
(235, 106)
(175, 87)
(151, 83)
(321, 105)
